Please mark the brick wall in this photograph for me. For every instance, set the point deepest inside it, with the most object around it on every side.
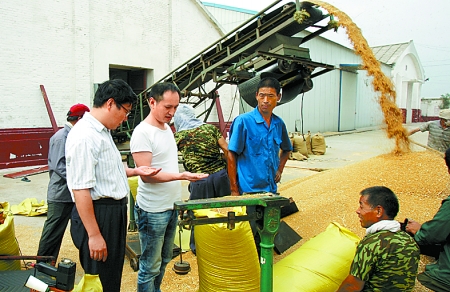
(417, 116)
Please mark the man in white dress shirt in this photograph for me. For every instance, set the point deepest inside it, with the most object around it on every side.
(98, 182)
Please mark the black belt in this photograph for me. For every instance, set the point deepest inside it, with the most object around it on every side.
(111, 201)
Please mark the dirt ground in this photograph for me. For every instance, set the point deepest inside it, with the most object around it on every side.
(419, 179)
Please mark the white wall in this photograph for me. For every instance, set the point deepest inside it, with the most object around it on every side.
(321, 104)
(430, 107)
(408, 71)
(69, 45)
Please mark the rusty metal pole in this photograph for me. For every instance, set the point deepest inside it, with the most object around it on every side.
(220, 116)
(49, 109)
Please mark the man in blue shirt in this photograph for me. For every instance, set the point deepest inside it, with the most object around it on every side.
(256, 137)
(255, 164)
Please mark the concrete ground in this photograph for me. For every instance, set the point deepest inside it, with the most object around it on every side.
(342, 149)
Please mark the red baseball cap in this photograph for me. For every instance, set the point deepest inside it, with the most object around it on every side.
(78, 110)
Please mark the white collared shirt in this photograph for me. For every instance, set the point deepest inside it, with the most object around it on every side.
(94, 162)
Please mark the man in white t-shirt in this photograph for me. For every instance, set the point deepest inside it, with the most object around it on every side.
(153, 144)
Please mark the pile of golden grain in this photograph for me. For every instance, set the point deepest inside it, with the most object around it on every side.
(419, 179)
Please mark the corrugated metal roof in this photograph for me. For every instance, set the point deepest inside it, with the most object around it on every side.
(389, 54)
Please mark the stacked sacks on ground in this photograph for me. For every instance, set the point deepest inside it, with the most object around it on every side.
(318, 145)
(305, 145)
(299, 150)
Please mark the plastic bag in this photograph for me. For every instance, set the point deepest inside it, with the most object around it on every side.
(89, 283)
(30, 207)
(8, 243)
(227, 259)
(321, 264)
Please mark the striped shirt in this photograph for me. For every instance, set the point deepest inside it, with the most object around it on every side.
(438, 138)
(94, 162)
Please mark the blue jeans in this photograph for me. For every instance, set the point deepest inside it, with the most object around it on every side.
(156, 235)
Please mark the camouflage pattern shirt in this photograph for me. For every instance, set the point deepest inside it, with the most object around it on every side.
(200, 149)
(386, 261)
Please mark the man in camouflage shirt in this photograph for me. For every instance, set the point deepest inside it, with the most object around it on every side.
(387, 258)
(433, 238)
(200, 145)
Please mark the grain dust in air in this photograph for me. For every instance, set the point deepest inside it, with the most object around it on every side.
(381, 83)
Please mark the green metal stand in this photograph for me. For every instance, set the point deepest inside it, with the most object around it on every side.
(267, 209)
(132, 226)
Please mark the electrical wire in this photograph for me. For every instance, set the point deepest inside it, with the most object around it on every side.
(301, 117)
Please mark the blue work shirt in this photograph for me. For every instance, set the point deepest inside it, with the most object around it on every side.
(257, 147)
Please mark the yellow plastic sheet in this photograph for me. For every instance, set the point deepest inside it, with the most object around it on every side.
(227, 259)
(30, 207)
(321, 264)
(8, 243)
(89, 283)
(133, 183)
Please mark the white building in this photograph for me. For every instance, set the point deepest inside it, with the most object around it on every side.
(430, 107)
(343, 99)
(407, 75)
(68, 46)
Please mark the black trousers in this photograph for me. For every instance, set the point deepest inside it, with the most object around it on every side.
(111, 218)
(58, 216)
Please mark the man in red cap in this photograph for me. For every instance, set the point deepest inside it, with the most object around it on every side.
(59, 200)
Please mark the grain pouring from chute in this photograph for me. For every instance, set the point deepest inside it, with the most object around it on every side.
(381, 83)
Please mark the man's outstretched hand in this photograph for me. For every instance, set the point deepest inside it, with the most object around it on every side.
(147, 170)
(193, 176)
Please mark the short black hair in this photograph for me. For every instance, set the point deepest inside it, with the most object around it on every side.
(159, 89)
(269, 82)
(116, 89)
(384, 197)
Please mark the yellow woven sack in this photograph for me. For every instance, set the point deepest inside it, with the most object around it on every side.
(318, 145)
(300, 145)
(227, 259)
(89, 283)
(30, 207)
(8, 243)
(308, 143)
(133, 183)
(321, 264)
(297, 156)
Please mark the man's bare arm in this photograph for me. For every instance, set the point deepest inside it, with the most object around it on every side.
(142, 170)
(283, 159)
(145, 159)
(232, 173)
(413, 131)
